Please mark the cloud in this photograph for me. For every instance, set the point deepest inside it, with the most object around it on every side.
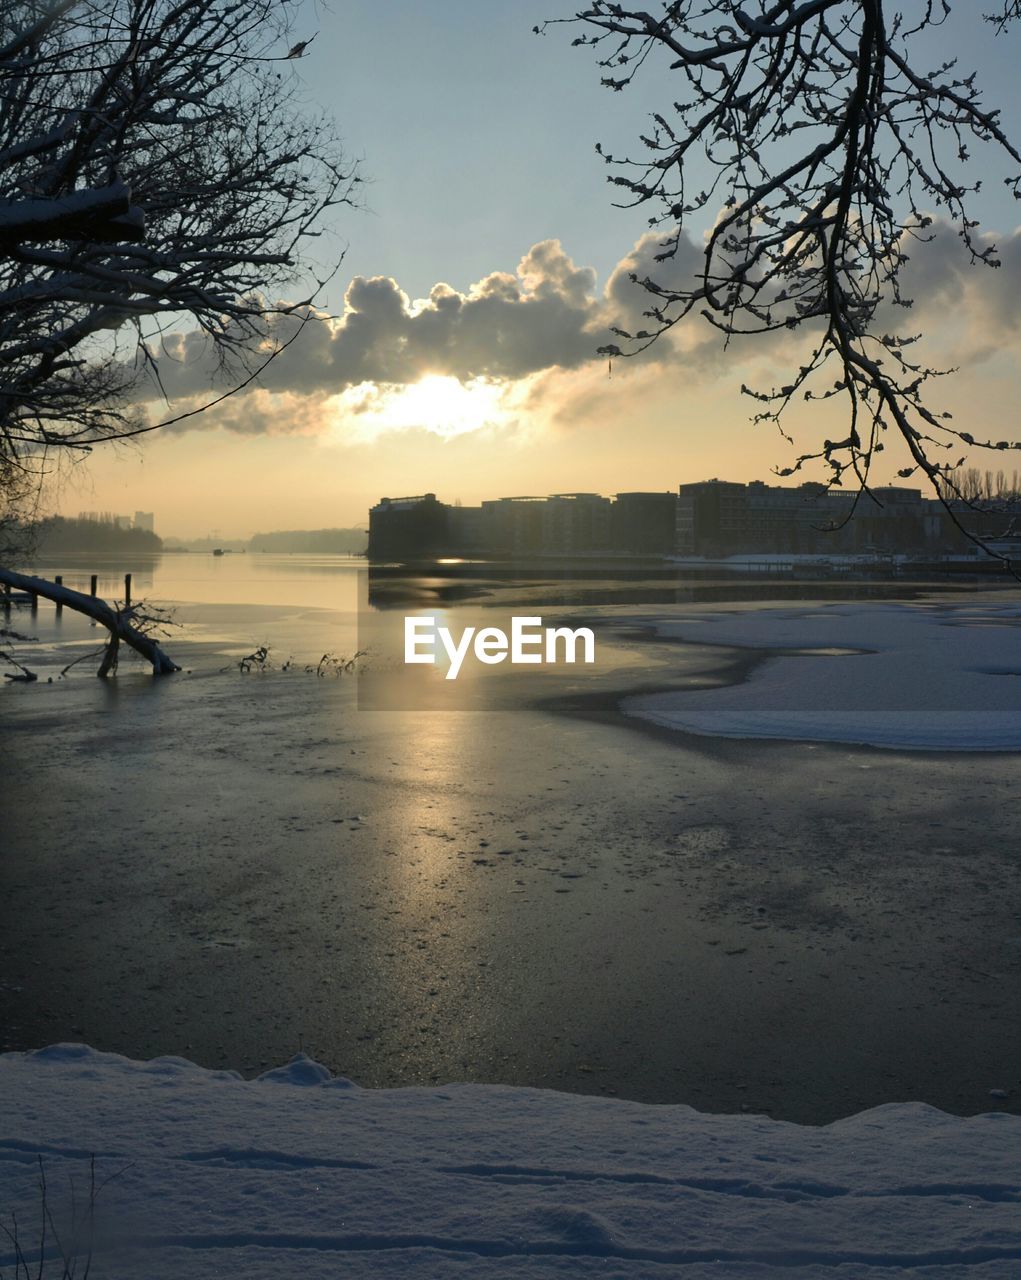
(628, 300)
(538, 329)
(260, 412)
(505, 327)
(967, 310)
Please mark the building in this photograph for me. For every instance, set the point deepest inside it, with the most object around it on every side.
(575, 524)
(723, 518)
(413, 528)
(514, 526)
(892, 518)
(145, 520)
(467, 530)
(995, 522)
(710, 518)
(644, 524)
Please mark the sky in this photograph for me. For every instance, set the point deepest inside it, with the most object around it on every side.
(487, 237)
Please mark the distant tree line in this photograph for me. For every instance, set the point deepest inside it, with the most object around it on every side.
(974, 485)
(311, 541)
(61, 534)
(57, 533)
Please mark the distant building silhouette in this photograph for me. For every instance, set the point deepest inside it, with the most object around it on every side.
(709, 518)
(466, 529)
(145, 520)
(409, 528)
(644, 524)
(721, 518)
(513, 526)
(576, 524)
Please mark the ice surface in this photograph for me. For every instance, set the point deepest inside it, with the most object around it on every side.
(921, 676)
(300, 1174)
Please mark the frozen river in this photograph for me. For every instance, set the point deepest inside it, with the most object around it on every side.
(534, 890)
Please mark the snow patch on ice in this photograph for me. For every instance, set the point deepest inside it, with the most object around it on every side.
(301, 1070)
(919, 676)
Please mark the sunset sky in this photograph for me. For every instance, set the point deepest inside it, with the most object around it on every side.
(487, 235)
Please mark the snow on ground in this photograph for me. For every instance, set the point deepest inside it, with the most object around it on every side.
(913, 676)
(300, 1174)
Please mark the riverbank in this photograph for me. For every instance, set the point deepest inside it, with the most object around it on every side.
(297, 1173)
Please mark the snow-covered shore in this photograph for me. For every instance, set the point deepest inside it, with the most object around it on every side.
(909, 676)
(300, 1174)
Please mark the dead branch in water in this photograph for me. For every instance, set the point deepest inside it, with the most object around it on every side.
(332, 665)
(329, 664)
(132, 623)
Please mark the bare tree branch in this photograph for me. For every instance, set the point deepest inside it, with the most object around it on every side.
(828, 150)
(131, 623)
(155, 163)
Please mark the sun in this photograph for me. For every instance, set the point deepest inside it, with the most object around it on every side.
(440, 404)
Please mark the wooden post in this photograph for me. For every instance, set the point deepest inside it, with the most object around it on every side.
(35, 604)
(116, 621)
(127, 590)
(60, 582)
(93, 582)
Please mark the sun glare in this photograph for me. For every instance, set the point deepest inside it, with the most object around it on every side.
(437, 403)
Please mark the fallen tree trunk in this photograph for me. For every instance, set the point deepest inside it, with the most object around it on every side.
(117, 621)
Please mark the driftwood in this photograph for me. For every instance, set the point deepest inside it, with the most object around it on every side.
(119, 622)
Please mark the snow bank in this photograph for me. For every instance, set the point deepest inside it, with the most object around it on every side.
(911, 676)
(300, 1174)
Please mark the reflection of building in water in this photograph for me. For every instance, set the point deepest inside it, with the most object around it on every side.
(710, 518)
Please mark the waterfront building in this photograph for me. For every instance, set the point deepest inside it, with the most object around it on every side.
(575, 524)
(644, 524)
(709, 518)
(409, 528)
(724, 518)
(514, 526)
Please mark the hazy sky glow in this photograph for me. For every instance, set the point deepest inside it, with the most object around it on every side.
(455, 348)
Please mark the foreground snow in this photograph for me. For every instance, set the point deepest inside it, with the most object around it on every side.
(300, 1174)
(911, 676)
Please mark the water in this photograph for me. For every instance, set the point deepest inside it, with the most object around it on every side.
(318, 581)
(229, 604)
(234, 867)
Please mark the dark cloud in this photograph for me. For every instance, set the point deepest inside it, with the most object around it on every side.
(962, 303)
(628, 300)
(547, 315)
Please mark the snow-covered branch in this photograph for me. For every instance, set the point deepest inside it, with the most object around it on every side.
(123, 624)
